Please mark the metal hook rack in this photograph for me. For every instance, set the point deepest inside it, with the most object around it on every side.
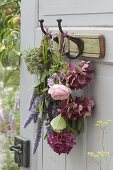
(81, 45)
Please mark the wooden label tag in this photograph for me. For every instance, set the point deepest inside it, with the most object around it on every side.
(94, 46)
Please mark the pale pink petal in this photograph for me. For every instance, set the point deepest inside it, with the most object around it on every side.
(80, 107)
(85, 66)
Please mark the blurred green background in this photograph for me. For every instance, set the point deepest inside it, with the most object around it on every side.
(9, 80)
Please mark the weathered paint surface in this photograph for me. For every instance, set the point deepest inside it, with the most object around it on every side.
(74, 13)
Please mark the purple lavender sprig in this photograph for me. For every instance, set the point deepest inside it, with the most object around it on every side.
(32, 100)
(28, 121)
(33, 116)
(39, 132)
(54, 109)
(52, 112)
(49, 109)
(48, 33)
(33, 109)
(49, 130)
(47, 124)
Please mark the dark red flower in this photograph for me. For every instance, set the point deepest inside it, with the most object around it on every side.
(81, 75)
(80, 107)
(61, 142)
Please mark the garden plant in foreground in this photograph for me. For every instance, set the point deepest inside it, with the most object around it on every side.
(9, 76)
(102, 158)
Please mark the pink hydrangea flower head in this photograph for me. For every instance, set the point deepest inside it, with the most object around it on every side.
(78, 108)
(59, 92)
(61, 142)
(81, 75)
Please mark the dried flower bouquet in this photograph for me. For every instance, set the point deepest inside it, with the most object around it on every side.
(53, 102)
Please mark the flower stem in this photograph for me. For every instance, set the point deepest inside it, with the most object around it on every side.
(107, 161)
(103, 134)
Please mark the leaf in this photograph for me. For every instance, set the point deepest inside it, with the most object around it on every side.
(46, 103)
(40, 107)
(58, 123)
(43, 77)
(2, 48)
(11, 78)
(80, 124)
(13, 58)
(76, 125)
(7, 76)
(38, 80)
(45, 89)
(4, 58)
(45, 136)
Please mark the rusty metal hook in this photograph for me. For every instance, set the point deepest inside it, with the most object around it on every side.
(79, 42)
(59, 25)
(45, 33)
(42, 27)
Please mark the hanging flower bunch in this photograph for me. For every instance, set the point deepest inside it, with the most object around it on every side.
(54, 103)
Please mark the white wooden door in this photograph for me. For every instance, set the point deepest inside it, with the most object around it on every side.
(89, 17)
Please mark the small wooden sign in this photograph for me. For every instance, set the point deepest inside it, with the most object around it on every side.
(94, 46)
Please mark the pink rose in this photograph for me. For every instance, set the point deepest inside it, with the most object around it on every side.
(59, 92)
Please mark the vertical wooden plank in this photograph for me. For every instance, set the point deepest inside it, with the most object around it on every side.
(28, 24)
(51, 160)
(77, 157)
(102, 92)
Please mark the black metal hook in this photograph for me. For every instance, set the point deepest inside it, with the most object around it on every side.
(59, 25)
(41, 26)
(79, 42)
(45, 33)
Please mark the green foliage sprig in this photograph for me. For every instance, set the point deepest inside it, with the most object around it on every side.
(38, 61)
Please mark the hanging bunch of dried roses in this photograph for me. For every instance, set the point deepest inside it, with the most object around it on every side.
(53, 101)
